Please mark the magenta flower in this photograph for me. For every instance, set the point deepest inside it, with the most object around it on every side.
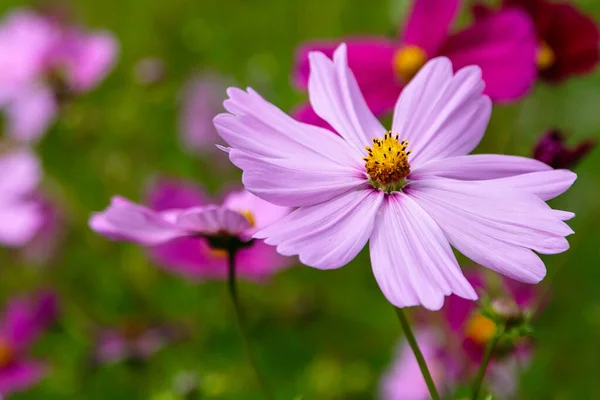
(502, 45)
(412, 191)
(23, 321)
(20, 214)
(202, 98)
(179, 225)
(404, 380)
(44, 61)
(552, 150)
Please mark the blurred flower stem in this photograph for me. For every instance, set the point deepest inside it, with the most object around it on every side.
(484, 363)
(232, 285)
(410, 338)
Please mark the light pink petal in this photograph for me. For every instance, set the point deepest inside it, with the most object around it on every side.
(124, 220)
(327, 235)
(371, 62)
(263, 213)
(441, 114)
(212, 220)
(335, 96)
(92, 60)
(286, 162)
(428, 24)
(305, 113)
(495, 225)
(479, 167)
(20, 222)
(20, 174)
(546, 185)
(404, 380)
(504, 46)
(30, 113)
(412, 260)
(21, 375)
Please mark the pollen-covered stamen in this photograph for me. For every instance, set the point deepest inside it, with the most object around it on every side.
(545, 56)
(387, 161)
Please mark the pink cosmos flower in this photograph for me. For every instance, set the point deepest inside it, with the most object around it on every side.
(503, 45)
(412, 191)
(202, 99)
(404, 380)
(179, 225)
(42, 60)
(23, 321)
(20, 214)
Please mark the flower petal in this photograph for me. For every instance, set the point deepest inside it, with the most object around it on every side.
(335, 96)
(20, 222)
(92, 59)
(412, 260)
(21, 376)
(327, 235)
(504, 46)
(30, 113)
(168, 194)
(19, 176)
(479, 167)
(125, 220)
(495, 225)
(212, 220)
(284, 161)
(546, 185)
(260, 212)
(428, 24)
(441, 114)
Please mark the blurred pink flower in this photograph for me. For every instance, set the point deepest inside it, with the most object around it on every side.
(552, 150)
(43, 245)
(134, 341)
(41, 60)
(364, 184)
(404, 380)
(24, 320)
(502, 45)
(202, 98)
(20, 214)
(179, 223)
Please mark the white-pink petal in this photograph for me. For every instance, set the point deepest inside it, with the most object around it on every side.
(477, 167)
(19, 175)
(211, 220)
(335, 96)
(546, 185)
(442, 114)
(495, 225)
(327, 235)
(412, 259)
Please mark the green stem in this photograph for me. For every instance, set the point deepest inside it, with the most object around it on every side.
(484, 363)
(410, 337)
(232, 285)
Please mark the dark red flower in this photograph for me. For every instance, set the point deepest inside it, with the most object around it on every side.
(568, 39)
(551, 149)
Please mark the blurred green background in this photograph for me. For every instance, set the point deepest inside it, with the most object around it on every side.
(320, 335)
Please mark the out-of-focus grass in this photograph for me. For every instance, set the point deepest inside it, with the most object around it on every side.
(322, 335)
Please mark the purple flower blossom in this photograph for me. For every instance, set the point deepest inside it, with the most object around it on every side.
(44, 59)
(503, 45)
(365, 184)
(20, 214)
(552, 150)
(202, 98)
(23, 321)
(179, 224)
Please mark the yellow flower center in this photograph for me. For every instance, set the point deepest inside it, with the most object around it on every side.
(387, 163)
(480, 329)
(7, 355)
(408, 60)
(249, 216)
(545, 56)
